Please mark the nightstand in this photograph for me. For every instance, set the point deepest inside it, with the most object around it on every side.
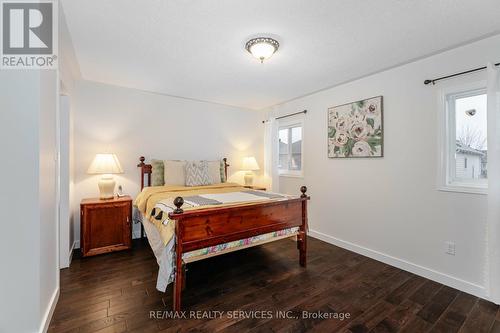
(255, 187)
(105, 225)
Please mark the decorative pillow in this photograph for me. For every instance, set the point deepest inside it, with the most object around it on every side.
(175, 173)
(214, 172)
(157, 174)
(197, 173)
(222, 172)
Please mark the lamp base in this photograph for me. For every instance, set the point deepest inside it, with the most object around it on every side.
(106, 187)
(248, 179)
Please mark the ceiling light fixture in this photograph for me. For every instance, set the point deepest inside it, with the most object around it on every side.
(262, 48)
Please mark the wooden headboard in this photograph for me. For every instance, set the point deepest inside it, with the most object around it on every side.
(147, 169)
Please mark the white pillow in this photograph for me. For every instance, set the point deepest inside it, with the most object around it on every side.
(214, 171)
(175, 173)
(197, 173)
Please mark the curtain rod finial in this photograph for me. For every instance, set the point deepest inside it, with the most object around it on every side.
(426, 82)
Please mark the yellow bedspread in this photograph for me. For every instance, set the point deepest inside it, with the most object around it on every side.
(151, 196)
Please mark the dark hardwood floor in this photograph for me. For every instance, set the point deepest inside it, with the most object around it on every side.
(116, 293)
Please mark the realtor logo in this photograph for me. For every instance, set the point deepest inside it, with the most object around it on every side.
(28, 35)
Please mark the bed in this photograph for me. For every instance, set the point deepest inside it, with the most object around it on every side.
(185, 224)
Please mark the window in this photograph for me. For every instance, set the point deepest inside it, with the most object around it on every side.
(466, 150)
(290, 140)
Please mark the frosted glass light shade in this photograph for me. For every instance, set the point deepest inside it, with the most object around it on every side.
(250, 164)
(105, 164)
(262, 51)
(262, 48)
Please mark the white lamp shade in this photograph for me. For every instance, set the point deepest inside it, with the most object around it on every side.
(250, 164)
(105, 164)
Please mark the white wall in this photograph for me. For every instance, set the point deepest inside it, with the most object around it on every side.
(132, 123)
(66, 183)
(69, 69)
(19, 179)
(49, 223)
(69, 73)
(28, 246)
(389, 208)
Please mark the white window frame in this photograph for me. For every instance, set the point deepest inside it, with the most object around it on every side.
(447, 140)
(286, 123)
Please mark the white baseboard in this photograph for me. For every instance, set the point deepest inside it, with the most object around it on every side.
(44, 326)
(428, 273)
(73, 247)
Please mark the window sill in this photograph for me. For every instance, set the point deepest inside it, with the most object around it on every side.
(468, 189)
(291, 175)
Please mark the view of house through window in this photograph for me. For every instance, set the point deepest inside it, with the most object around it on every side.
(290, 149)
(471, 149)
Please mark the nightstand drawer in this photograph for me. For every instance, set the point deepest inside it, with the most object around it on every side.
(106, 226)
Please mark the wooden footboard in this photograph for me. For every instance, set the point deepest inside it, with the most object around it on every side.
(198, 229)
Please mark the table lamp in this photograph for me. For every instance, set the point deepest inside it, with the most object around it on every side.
(106, 165)
(249, 165)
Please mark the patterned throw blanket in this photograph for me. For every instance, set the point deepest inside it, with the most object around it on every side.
(156, 202)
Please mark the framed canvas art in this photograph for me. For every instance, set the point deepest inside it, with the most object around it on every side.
(356, 129)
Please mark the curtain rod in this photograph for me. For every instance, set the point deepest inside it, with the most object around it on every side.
(288, 115)
(426, 82)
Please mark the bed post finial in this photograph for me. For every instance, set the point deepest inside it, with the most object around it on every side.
(178, 202)
(303, 189)
(142, 159)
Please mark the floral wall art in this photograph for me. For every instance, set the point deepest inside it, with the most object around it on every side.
(356, 129)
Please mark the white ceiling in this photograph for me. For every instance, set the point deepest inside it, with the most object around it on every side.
(195, 49)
